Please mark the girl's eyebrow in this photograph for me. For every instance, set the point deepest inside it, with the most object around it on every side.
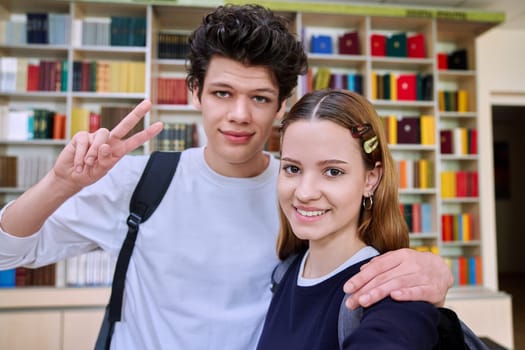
(323, 162)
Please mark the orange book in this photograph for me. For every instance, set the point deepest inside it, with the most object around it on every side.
(59, 126)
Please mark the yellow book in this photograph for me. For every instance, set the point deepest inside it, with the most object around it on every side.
(423, 173)
(392, 129)
(464, 141)
(114, 76)
(466, 221)
(462, 101)
(393, 87)
(123, 76)
(428, 130)
(441, 100)
(373, 85)
(322, 78)
(79, 120)
(448, 184)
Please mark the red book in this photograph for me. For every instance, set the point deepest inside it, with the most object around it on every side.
(442, 59)
(378, 44)
(445, 139)
(416, 46)
(94, 121)
(463, 271)
(473, 141)
(33, 71)
(446, 227)
(472, 178)
(406, 87)
(461, 184)
(408, 131)
(349, 43)
(416, 217)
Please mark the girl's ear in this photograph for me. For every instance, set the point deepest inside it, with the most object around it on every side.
(373, 177)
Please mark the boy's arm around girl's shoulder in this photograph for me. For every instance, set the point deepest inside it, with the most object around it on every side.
(391, 324)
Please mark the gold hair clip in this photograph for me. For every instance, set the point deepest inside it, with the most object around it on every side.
(370, 145)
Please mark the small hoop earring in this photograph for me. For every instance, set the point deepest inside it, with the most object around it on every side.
(368, 204)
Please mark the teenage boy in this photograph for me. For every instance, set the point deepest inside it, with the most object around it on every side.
(200, 272)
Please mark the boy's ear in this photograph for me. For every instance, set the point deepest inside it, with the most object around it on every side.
(195, 98)
(281, 111)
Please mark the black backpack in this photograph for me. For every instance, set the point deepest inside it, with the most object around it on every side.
(150, 190)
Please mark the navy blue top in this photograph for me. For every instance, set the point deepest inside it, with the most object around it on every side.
(306, 318)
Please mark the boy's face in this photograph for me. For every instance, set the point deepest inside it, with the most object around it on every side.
(239, 105)
(322, 181)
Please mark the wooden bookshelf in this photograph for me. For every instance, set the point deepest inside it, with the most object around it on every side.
(444, 31)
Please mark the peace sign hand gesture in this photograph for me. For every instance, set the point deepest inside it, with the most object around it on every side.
(89, 156)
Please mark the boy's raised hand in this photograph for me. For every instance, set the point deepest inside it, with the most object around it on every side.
(89, 156)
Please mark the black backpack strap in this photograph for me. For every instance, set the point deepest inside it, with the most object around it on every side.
(149, 192)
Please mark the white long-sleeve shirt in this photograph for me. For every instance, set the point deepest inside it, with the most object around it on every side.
(199, 276)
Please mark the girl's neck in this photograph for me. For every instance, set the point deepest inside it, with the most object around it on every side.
(323, 259)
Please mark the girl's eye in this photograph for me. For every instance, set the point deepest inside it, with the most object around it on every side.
(332, 172)
(291, 169)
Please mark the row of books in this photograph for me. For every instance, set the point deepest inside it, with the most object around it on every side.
(459, 141)
(24, 277)
(415, 174)
(401, 87)
(84, 119)
(415, 130)
(347, 43)
(36, 28)
(458, 227)
(418, 216)
(172, 45)
(113, 31)
(176, 137)
(453, 100)
(24, 170)
(31, 124)
(326, 78)
(466, 270)
(398, 45)
(459, 184)
(109, 76)
(28, 74)
(91, 269)
(172, 91)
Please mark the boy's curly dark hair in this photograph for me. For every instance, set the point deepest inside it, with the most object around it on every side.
(249, 34)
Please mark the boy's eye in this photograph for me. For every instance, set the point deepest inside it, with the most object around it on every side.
(261, 99)
(222, 94)
(291, 169)
(332, 172)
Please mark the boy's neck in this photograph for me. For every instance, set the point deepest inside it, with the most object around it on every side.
(246, 169)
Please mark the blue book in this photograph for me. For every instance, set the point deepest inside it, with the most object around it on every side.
(426, 217)
(321, 44)
(7, 278)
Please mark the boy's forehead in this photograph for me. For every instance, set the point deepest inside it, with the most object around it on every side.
(228, 72)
